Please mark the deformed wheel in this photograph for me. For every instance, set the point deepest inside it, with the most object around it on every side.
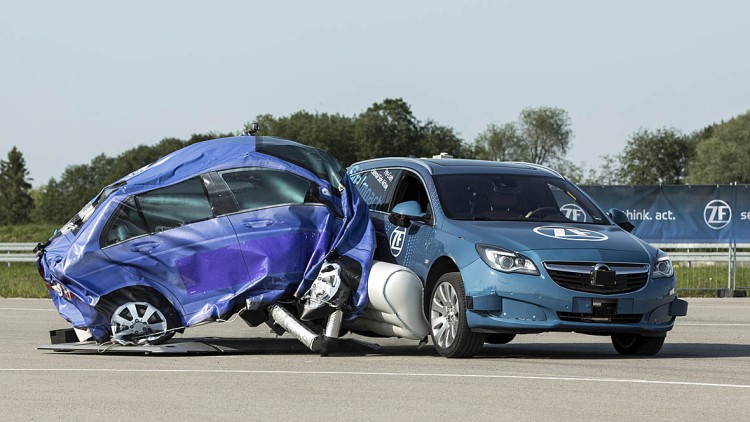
(450, 332)
(140, 322)
(637, 345)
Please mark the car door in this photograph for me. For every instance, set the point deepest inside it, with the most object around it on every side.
(409, 246)
(170, 236)
(376, 187)
(280, 226)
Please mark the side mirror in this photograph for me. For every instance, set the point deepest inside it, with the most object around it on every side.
(403, 214)
(621, 219)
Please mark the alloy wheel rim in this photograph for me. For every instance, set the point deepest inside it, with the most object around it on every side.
(444, 318)
(138, 323)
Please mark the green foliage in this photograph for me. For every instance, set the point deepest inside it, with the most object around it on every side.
(546, 134)
(15, 200)
(26, 233)
(500, 143)
(58, 201)
(541, 135)
(388, 128)
(21, 280)
(609, 173)
(656, 157)
(723, 153)
(330, 132)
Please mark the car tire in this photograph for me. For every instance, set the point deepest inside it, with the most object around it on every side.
(449, 330)
(636, 344)
(138, 320)
(499, 338)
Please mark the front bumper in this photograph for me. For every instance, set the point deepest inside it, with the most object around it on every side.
(517, 303)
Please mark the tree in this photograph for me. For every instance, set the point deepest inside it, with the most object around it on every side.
(724, 156)
(387, 129)
(500, 143)
(15, 200)
(608, 174)
(546, 134)
(541, 135)
(435, 139)
(330, 132)
(656, 157)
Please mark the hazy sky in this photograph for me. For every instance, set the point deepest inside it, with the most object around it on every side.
(82, 78)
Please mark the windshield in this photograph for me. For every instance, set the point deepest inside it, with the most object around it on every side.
(505, 197)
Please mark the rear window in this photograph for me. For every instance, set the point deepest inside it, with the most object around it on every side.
(319, 162)
(255, 188)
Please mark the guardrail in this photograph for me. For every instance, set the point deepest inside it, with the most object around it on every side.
(17, 252)
(712, 266)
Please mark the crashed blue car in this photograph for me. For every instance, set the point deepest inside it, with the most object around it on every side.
(219, 227)
(512, 248)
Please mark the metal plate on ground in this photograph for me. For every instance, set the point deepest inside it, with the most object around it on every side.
(215, 346)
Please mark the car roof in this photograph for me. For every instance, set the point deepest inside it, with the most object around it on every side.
(441, 166)
(210, 155)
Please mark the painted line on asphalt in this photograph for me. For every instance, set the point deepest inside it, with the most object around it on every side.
(718, 324)
(28, 309)
(384, 374)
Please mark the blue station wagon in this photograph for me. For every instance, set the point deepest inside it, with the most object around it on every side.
(514, 248)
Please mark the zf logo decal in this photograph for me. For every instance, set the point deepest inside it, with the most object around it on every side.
(573, 212)
(717, 214)
(570, 233)
(397, 241)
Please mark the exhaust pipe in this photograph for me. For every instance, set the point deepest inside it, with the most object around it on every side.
(317, 343)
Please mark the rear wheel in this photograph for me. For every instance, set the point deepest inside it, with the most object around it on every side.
(138, 318)
(450, 332)
(636, 344)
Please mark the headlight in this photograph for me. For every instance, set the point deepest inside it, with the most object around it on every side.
(506, 261)
(663, 267)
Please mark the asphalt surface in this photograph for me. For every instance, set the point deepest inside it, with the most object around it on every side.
(702, 373)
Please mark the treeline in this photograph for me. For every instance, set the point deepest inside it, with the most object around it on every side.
(719, 153)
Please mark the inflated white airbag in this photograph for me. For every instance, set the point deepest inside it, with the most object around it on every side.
(395, 307)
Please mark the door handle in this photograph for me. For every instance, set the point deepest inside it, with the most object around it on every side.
(144, 246)
(256, 224)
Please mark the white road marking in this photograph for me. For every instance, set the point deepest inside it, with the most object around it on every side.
(384, 374)
(28, 309)
(718, 324)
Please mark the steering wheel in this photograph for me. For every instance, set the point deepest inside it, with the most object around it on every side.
(542, 212)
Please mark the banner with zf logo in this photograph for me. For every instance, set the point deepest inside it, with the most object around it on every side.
(681, 214)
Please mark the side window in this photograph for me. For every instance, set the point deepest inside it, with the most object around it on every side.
(375, 185)
(255, 188)
(411, 189)
(158, 210)
(125, 223)
(174, 206)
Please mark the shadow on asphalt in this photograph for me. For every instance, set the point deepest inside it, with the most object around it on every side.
(355, 347)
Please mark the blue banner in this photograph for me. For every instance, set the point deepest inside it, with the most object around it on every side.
(681, 214)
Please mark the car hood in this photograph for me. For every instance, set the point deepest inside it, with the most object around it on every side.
(555, 241)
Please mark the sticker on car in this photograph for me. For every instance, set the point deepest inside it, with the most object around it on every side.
(570, 233)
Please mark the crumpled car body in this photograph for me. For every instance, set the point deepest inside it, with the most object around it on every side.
(218, 226)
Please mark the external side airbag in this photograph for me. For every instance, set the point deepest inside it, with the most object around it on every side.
(395, 307)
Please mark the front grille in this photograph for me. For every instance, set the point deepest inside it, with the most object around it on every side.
(614, 319)
(578, 276)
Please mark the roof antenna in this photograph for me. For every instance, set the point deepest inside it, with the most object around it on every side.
(254, 128)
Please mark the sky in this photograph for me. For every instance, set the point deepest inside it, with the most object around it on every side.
(82, 78)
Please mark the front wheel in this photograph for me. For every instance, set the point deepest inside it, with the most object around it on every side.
(636, 344)
(450, 332)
